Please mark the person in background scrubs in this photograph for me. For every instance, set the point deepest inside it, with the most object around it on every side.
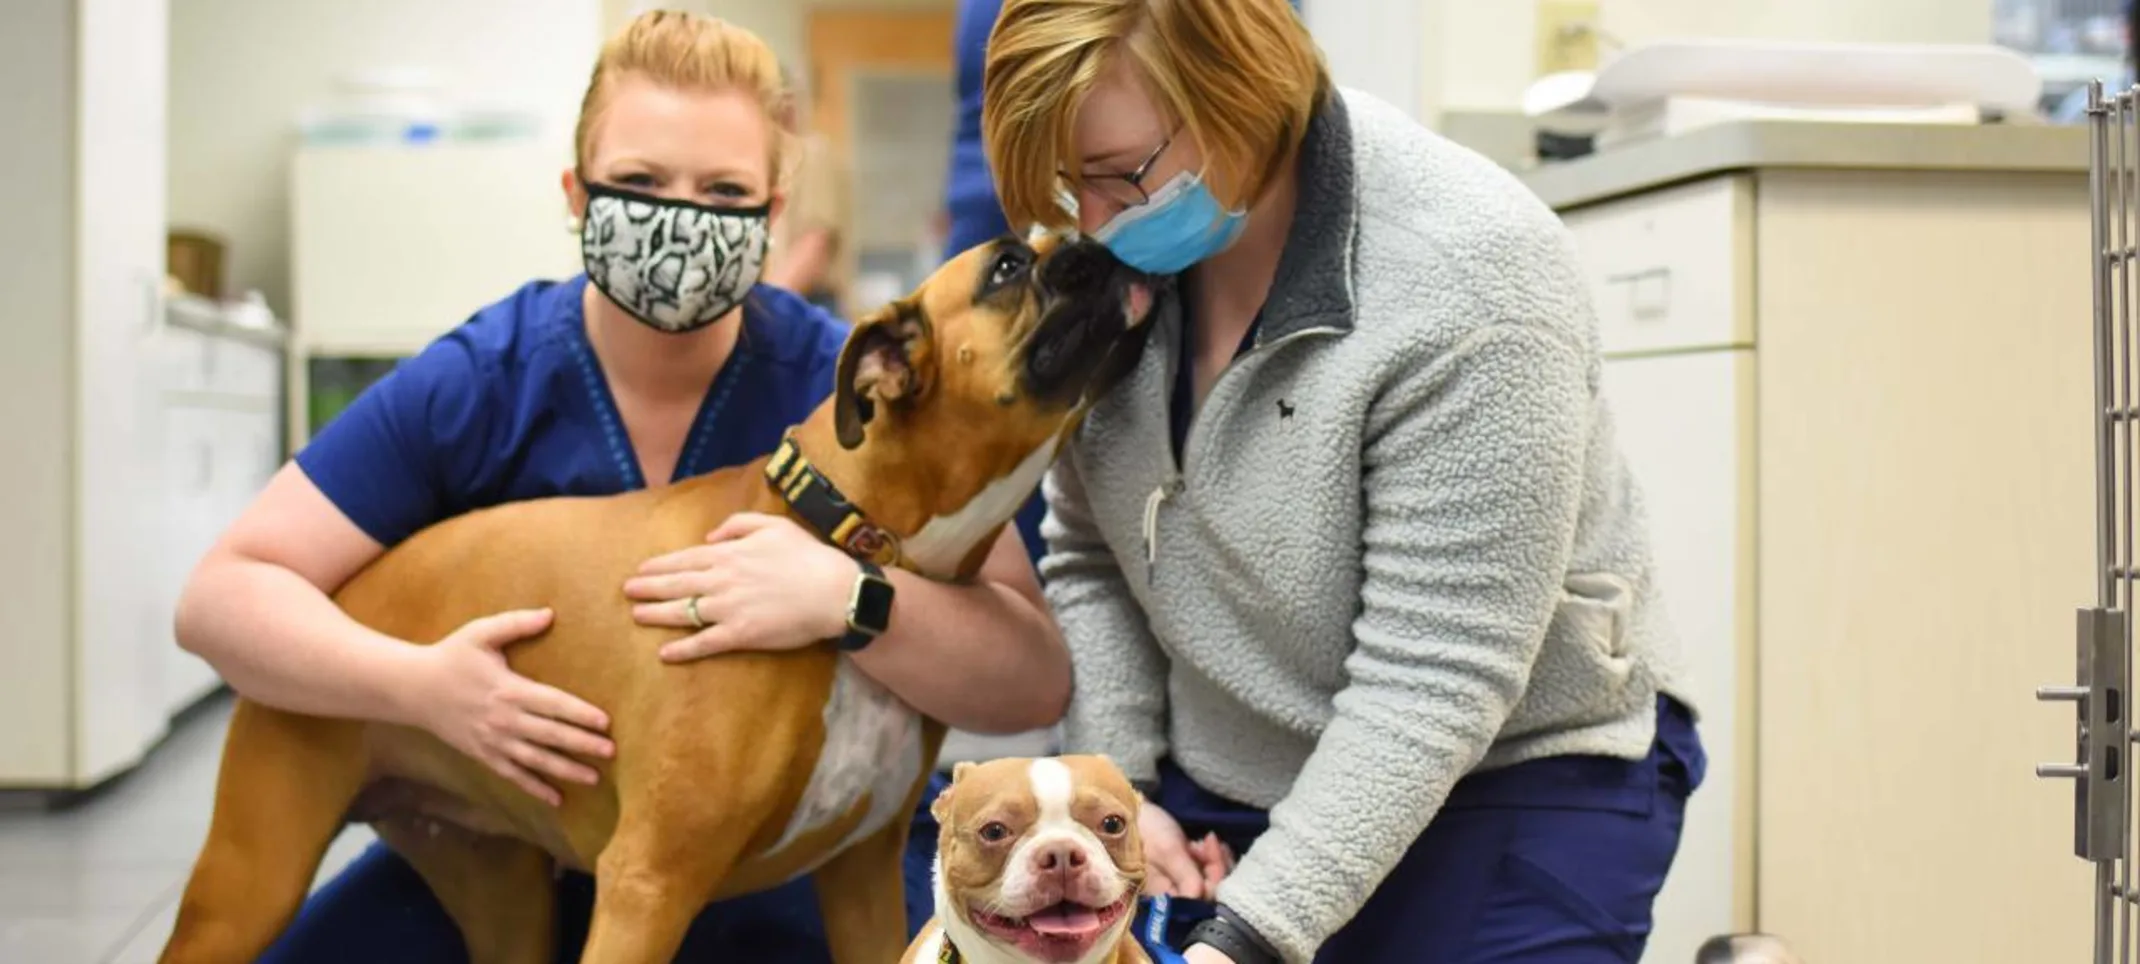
(597, 384)
(805, 255)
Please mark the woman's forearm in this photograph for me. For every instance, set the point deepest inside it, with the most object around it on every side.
(278, 640)
(978, 656)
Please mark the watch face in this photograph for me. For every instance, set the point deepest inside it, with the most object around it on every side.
(872, 609)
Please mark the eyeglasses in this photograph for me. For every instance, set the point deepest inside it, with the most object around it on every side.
(1126, 190)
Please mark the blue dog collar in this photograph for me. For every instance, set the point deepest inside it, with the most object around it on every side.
(1154, 935)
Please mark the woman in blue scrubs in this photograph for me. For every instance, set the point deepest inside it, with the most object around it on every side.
(1355, 579)
(664, 360)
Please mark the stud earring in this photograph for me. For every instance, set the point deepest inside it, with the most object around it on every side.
(572, 224)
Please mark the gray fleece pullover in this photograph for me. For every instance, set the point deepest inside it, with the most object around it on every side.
(1402, 544)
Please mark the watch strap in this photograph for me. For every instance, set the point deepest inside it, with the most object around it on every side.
(1226, 934)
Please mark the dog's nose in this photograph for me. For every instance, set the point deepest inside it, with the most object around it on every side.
(1060, 857)
(1082, 265)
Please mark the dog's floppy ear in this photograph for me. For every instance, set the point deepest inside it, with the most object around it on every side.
(887, 359)
(940, 808)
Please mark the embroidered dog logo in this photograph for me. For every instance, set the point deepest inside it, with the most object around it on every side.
(1285, 411)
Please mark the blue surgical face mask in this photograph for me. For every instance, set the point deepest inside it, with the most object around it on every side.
(1181, 225)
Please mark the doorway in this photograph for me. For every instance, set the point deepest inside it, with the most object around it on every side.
(882, 100)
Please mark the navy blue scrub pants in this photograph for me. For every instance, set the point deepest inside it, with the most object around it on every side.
(379, 909)
(1556, 860)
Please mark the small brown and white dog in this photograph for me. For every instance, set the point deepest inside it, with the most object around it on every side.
(1038, 861)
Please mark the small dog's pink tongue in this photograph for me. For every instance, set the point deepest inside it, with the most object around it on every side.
(1065, 920)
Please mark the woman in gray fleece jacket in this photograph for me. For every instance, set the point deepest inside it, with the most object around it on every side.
(1355, 579)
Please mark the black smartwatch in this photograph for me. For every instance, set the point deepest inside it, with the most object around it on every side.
(1231, 936)
(869, 609)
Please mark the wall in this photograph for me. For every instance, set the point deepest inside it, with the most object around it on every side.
(1374, 47)
(1887, 21)
(241, 70)
(780, 22)
(37, 161)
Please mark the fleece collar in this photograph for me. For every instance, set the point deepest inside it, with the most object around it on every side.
(1313, 287)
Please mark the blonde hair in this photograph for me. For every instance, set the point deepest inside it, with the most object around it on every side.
(688, 51)
(1242, 77)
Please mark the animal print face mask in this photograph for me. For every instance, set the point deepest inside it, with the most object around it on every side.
(674, 265)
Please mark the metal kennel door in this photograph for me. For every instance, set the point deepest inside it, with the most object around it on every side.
(2100, 771)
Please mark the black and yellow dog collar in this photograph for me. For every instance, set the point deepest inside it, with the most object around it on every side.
(824, 508)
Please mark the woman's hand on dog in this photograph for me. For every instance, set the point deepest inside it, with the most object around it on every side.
(519, 728)
(761, 582)
(1174, 864)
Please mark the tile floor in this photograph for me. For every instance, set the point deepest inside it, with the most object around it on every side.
(98, 882)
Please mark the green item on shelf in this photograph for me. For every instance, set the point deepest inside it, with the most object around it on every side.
(335, 382)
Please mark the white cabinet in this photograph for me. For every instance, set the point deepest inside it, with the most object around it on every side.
(1666, 271)
(1683, 421)
(85, 199)
(1857, 403)
(366, 284)
(219, 413)
(89, 676)
(1669, 278)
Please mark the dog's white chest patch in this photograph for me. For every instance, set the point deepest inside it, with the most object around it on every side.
(872, 750)
(931, 947)
(944, 542)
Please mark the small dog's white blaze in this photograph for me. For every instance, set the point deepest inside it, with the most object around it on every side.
(947, 539)
(1053, 790)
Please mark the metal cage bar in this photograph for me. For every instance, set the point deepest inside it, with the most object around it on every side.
(2103, 803)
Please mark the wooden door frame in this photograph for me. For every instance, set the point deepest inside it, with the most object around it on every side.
(841, 42)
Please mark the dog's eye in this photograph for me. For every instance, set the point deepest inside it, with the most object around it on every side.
(1008, 266)
(994, 833)
(1113, 825)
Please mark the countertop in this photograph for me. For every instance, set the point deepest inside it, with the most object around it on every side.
(209, 318)
(1748, 145)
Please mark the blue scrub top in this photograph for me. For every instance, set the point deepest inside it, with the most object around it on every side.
(969, 192)
(511, 405)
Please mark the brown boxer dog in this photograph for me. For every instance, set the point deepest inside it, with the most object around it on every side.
(1038, 862)
(732, 774)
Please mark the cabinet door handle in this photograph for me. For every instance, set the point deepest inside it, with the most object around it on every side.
(1649, 291)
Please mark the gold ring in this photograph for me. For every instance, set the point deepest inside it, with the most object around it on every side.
(691, 611)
